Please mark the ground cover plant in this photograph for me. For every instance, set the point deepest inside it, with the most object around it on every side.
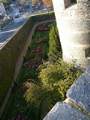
(44, 78)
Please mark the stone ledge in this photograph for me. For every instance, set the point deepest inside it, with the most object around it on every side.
(63, 111)
(80, 92)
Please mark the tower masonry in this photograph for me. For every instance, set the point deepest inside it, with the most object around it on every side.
(73, 21)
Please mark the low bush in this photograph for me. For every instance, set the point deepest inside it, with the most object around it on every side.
(53, 82)
(58, 75)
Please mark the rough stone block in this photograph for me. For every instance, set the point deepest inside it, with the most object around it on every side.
(80, 92)
(88, 70)
(62, 111)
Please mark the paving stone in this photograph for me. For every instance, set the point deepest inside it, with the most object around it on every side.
(62, 111)
(80, 92)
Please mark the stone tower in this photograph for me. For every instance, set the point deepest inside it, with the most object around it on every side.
(73, 21)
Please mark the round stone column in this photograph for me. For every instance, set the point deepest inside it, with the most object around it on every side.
(75, 33)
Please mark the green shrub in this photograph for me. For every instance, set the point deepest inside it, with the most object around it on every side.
(55, 80)
(54, 43)
(59, 76)
(40, 100)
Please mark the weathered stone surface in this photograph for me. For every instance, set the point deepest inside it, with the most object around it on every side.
(88, 70)
(62, 111)
(74, 27)
(80, 92)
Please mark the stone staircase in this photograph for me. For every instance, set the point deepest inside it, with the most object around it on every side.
(77, 104)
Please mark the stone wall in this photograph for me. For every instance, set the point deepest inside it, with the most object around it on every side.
(77, 104)
(74, 31)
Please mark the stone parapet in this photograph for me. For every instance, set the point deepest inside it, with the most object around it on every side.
(63, 111)
(80, 92)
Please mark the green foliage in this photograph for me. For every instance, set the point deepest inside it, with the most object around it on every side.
(54, 80)
(41, 99)
(27, 73)
(59, 76)
(54, 43)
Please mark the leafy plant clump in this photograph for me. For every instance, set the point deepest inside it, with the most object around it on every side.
(54, 79)
(54, 42)
(58, 75)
